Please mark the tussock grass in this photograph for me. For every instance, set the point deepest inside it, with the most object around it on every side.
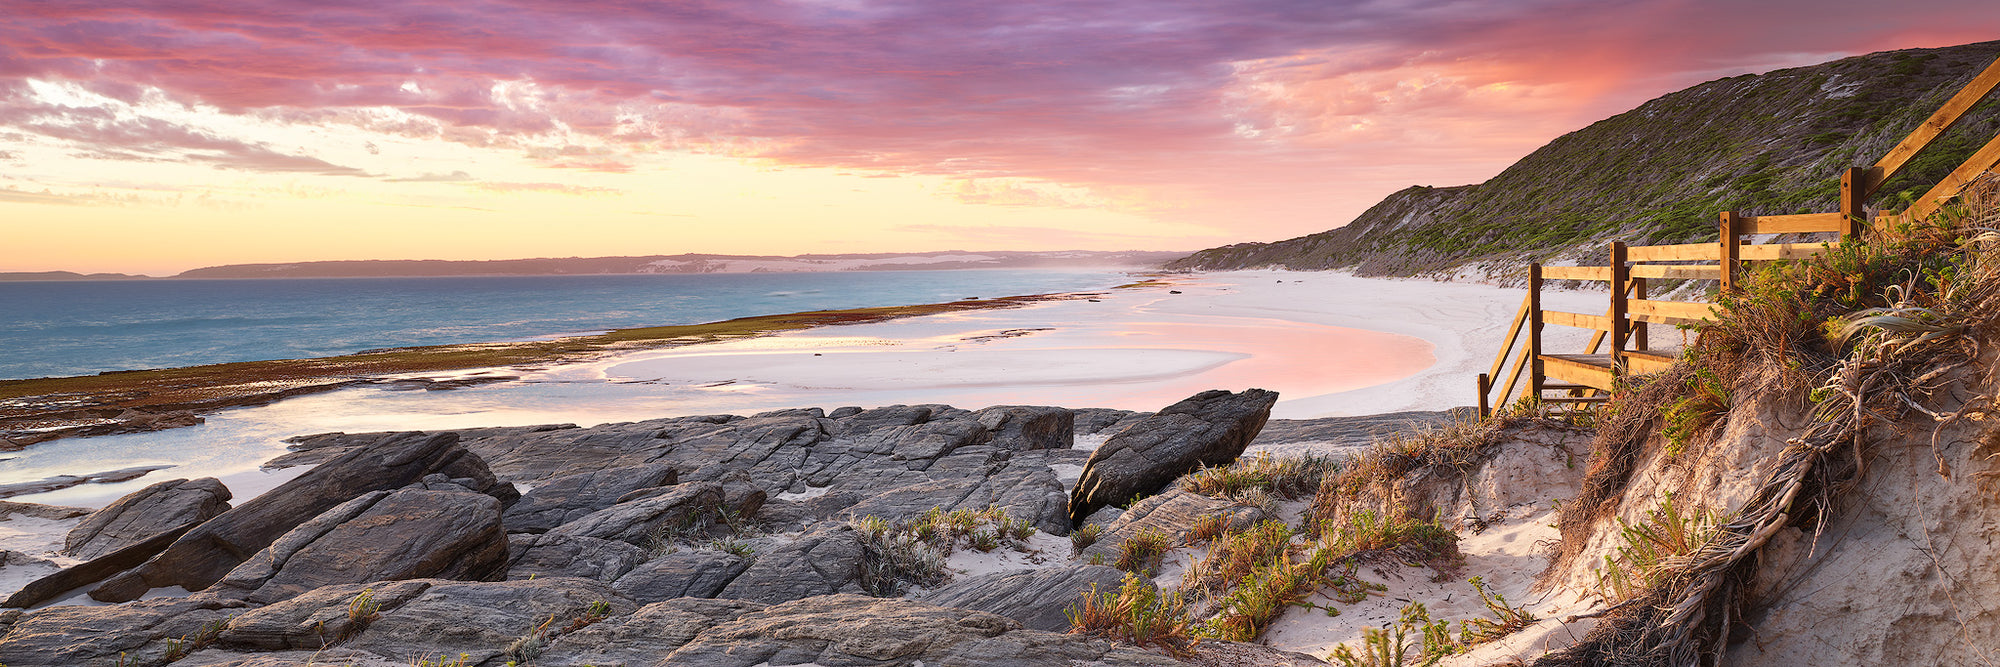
(1141, 553)
(1289, 478)
(1083, 536)
(1268, 589)
(1136, 613)
(1459, 444)
(1653, 547)
(892, 558)
(913, 552)
(1236, 555)
(1419, 541)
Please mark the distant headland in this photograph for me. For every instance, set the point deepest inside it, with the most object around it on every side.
(648, 264)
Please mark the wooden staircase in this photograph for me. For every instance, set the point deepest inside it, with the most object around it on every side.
(1591, 376)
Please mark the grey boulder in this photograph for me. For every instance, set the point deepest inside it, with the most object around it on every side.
(1210, 428)
(1025, 427)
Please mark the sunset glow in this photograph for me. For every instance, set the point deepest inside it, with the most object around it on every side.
(154, 137)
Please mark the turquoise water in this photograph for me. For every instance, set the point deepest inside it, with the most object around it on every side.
(53, 329)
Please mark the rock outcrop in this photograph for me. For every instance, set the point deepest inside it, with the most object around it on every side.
(202, 556)
(856, 630)
(382, 535)
(136, 633)
(639, 521)
(694, 573)
(145, 513)
(570, 497)
(1173, 513)
(1036, 598)
(532, 556)
(826, 560)
(1209, 428)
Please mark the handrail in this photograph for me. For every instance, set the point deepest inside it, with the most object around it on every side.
(1630, 310)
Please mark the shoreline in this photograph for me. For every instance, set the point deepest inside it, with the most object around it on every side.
(38, 410)
(1316, 338)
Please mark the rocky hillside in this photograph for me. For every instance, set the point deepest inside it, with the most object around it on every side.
(1758, 144)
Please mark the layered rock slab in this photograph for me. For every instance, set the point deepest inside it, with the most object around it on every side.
(145, 513)
(383, 535)
(1037, 599)
(209, 551)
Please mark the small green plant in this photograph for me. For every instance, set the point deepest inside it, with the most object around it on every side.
(733, 546)
(1208, 527)
(1506, 620)
(1391, 645)
(1136, 613)
(983, 541)
(1084, 536)
(1698, 409)
(1142, 553)
(592, 613)
(441, 660)
(1652, 547)
(1424, 542)
(362, 610)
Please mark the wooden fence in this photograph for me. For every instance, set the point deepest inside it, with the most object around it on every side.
(1591, 376)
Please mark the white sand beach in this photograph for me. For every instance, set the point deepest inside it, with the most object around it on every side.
(1331, 344)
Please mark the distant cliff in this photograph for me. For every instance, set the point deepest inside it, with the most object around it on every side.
(37, 276)
(1757, 144)
(690, 263)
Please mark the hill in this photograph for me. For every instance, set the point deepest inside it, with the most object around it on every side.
(1758, 144)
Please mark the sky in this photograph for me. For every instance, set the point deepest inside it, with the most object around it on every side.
(155, 137)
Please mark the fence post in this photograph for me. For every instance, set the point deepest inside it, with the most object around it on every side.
(1619, 274)
(1730, 250)
(1853, 198)
(1639, 341)
(1535, 331)
(1485, 385)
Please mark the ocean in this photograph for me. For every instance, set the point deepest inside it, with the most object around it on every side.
(56, 329)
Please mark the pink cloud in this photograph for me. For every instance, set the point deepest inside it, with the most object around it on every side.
(1154, 94)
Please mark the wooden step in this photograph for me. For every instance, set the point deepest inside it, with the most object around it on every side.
(1589, 370)
(1639, 362)
(1575, 399)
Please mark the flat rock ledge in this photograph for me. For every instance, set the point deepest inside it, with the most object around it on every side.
(708, 540)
